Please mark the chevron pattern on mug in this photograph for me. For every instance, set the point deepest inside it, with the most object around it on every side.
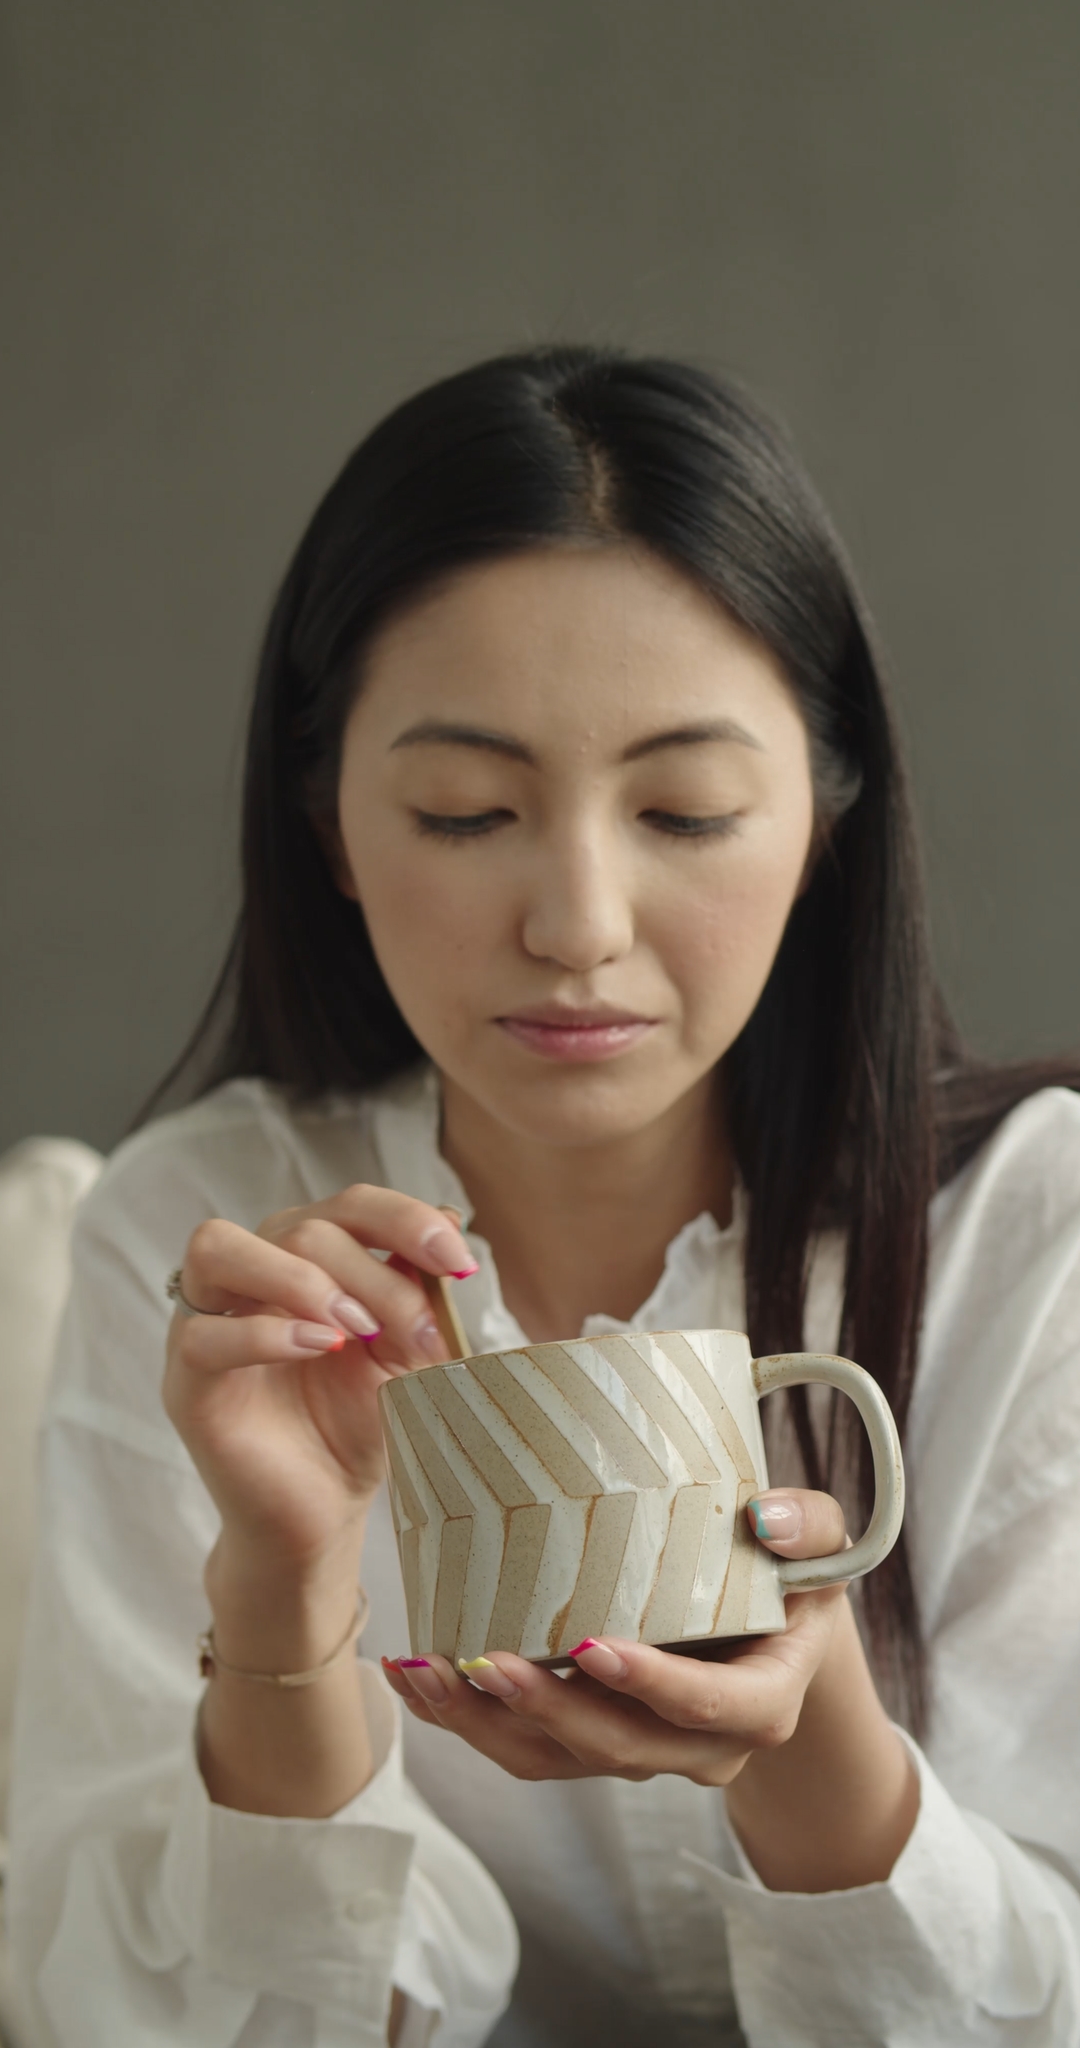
(589, 1487)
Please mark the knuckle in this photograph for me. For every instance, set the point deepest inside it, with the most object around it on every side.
(774, 1733)
(305, 1238)
(622, 1758)
(700, 1713)
(829, 1515)
(207, 1241)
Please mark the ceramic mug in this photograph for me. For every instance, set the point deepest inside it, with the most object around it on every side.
(599, 1487)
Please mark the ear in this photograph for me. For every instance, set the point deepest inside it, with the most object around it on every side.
(328, 833)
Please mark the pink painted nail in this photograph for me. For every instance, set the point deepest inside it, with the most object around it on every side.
(424, 1680)
(467, 1272)
(353, 1317)
(316, 1337)
(598, 1660)
(426, 1340)
(441, 1244)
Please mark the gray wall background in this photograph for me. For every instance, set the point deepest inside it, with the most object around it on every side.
(232, 236)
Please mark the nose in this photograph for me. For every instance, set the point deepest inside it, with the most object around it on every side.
(579, 911)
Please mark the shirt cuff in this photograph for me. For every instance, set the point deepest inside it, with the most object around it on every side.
(968, 1934)
(308, 1909)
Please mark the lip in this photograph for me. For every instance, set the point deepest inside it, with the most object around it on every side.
(577, 1036)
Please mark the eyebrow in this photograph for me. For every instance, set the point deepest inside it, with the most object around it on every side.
(440, 732)
(727, 731)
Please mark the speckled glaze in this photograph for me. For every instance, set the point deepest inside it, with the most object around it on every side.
(599, 1487)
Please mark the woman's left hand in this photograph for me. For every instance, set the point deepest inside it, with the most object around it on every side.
(629, 1711)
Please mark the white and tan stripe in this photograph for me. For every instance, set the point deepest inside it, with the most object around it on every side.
(572, 1489)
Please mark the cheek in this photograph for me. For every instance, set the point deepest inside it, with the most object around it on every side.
(430, 916)
(722, 933)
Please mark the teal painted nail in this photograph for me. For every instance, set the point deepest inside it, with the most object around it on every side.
(775, 1520)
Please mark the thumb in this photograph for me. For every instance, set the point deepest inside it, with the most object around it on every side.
(795, 1522)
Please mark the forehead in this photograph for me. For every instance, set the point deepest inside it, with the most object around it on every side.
(584, 641)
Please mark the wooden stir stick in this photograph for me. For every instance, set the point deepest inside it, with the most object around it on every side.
(444, 1310)
(441, 1300)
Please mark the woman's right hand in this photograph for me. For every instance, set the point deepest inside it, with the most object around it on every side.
(276, 1401)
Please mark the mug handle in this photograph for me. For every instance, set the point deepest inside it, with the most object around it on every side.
(801, 1368)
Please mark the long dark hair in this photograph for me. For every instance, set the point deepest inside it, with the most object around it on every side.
(849, 1095)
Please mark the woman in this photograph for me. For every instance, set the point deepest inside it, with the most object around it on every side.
(581, 958)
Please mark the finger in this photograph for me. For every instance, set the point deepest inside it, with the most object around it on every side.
(406, 1693)
(208, 1345)
(227, 1268)
(745, 1700)
(392, 1222)
(795, 1522)
(440, 1695)
(392, 1297)
(609, 1736)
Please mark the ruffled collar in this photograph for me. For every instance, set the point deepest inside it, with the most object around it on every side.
(701, 1283)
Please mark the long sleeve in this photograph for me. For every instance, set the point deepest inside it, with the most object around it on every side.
(975, 1938)
(139, 1909)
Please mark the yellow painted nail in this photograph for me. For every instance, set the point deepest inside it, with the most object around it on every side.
(493, 1679)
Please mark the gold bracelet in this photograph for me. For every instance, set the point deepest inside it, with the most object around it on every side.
(210, 1663)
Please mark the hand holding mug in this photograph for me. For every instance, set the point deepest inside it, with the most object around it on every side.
(588, 1502)
(633, 1711)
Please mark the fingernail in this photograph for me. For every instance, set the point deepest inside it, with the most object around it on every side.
(425, 1338)
(353, 1317)
(316, 1337)
(466, 1272)
(489, 1676)
(423, 1680)
(598, 1660)
(775, 1519)
(444, 1247)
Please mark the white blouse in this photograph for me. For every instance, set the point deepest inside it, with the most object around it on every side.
(141, 1912)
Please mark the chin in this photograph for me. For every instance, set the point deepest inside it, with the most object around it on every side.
(580, 1109)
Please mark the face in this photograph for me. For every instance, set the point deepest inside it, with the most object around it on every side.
(576, 809)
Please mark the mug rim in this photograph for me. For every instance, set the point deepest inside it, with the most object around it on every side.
(522, 1350)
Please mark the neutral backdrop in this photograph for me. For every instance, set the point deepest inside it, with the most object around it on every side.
(232, 236)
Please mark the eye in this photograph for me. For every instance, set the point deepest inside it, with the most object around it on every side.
(474, 826)
(680, 825)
